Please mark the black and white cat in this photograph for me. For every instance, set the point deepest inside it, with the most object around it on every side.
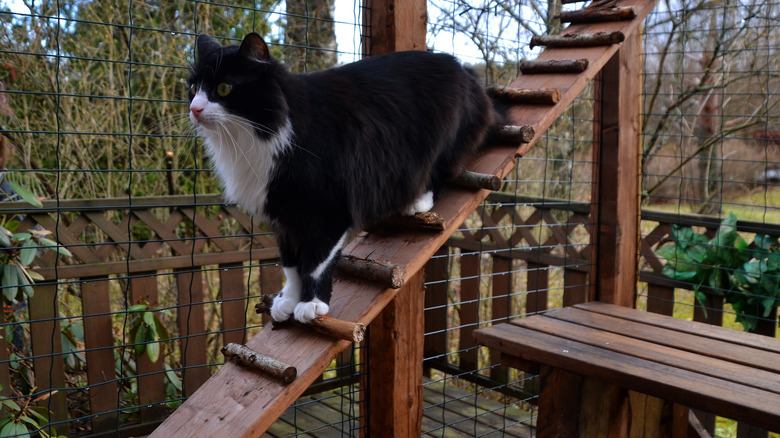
(323, 154)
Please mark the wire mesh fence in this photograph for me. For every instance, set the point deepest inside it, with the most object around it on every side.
(142, 274)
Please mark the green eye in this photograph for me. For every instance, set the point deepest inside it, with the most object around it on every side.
(223, 89)
(194, 89)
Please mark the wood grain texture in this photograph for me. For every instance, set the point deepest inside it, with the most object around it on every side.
(633, 350)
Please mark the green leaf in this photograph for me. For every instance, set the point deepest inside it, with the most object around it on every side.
(28, 253)
(10, 282)
(50, 244)
(29, 421)
(26, 194)
(14, 429)
(149, 320)
(35, 276)
(153, 351)
(137, 308)
(162, 332)
(5, 237)
(12, 405)
(172, 377)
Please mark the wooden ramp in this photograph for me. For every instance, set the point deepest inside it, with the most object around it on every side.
(236, 402)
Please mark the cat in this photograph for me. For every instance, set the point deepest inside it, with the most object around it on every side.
(321, 155)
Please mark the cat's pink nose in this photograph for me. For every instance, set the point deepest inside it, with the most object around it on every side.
(196, 110)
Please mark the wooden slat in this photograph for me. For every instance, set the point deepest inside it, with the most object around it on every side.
(691, 389)
(736, 353)
(537, 285)
(674, 357)
(683, 326)
(47, 360)
(469, 309)
(99, 346)
(233, 296)
(151, 380)
(436, 275)
(191, 321)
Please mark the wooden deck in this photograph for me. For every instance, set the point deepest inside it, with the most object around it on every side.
(447, 412)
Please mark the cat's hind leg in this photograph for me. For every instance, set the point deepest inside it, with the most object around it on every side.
(423, 203)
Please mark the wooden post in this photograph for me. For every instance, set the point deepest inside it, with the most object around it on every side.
(615, 208)
(396, 336)
(395, 352)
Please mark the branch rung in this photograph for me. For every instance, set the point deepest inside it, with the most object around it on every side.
(515, 134)
(577, 40)
(541, 96)
(387, 274)
(597, 15)
(554, 66)
(476, 180)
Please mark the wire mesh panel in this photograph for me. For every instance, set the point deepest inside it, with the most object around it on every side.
(141, 272)
(527, 249)
(710, 154)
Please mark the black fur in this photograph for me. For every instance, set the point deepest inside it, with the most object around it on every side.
(368, 139)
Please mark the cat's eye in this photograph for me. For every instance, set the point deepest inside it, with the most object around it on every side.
(194, 89)
(223, 89)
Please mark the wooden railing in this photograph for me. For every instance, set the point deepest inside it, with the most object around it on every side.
(128, 251)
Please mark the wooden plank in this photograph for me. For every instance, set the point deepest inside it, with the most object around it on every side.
(501, 306)
(688, 388)
(739, 354)
(436, 277)
(233, 302)
(191, 322)
(622, 342)
(660, 299)
(617, 147)
(537, 284)
(469, 310)
(684, 326)
(151, 378)
(47, 360)
(394, 377)
(99, 346)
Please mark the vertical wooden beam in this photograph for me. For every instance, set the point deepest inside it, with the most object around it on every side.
(393, 26)
(151, 380)
(192, 329)
(48, 363)
(233, 296)
(616, 192)
(469, 310)
(436, 271)
(395, 351)
(99, 346)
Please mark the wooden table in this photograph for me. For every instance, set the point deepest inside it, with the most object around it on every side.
(607, 370)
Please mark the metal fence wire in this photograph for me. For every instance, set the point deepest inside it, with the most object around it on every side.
(142, 272)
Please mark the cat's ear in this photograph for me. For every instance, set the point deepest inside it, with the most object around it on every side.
(206, 45)
(254, 47)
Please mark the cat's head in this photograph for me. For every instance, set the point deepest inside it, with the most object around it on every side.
(236, 81)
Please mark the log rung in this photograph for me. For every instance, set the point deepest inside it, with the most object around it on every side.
(423, 221)
(578, 40)
(249, 358)
(515, 134)
(335, 328)
(597, 15)
(387, 274)
(476, 180)
(541, 96)
(554, 66)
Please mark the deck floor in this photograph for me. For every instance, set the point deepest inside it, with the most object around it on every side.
(448, 412)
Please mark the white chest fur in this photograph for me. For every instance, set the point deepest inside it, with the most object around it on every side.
(243, 161)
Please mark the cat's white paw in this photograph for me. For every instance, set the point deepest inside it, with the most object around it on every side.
(421, 204)
(283, 308)
(306, 312)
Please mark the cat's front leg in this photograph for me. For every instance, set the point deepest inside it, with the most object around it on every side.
(289, 297)
(317, 285)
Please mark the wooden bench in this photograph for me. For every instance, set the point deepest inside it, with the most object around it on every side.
(607, 370)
